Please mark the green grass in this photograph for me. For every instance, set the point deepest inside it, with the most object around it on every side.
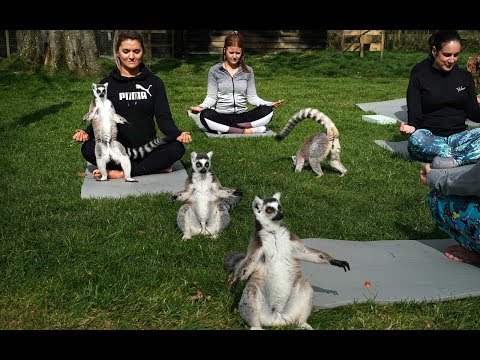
(72, 263)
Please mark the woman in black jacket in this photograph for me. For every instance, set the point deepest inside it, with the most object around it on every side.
(140, 97)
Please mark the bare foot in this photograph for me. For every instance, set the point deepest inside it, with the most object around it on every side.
(459, 253)
(167, 170)
(248, 131)
(111, 174)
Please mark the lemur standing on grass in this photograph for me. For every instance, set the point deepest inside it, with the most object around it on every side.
(317, 147)
(276, 292)
(208, 203)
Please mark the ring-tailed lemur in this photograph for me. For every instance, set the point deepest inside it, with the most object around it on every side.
(317, 147)
(276, 292)
(104, 122)
(208, 203)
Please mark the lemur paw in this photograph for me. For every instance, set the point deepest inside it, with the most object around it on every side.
(232, 282)
(238, 192)
(340, 263)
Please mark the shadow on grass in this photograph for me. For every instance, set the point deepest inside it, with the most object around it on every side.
(38, 115)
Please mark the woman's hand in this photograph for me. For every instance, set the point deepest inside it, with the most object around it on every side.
(184, 137)
(196, 109)
(424, 173)
(80, 135)
(406, 129)
(277, 103)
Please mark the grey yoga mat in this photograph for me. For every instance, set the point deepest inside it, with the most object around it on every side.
(387, 271)
(147, 184)
(396, 108)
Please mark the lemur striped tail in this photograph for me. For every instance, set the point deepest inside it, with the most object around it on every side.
(310, 113)
(231, 201)
(232, 259)
(142, 151)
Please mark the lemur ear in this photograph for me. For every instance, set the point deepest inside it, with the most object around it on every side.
(94, 86)
(276, 195)
(209, 154)
(193, 156)
(106, 85)
(257, 204)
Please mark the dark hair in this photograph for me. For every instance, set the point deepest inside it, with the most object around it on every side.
(234, 39)
(122, 35)
(441, 37)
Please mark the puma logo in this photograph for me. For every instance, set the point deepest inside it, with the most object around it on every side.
(460, 88)
(140, 87)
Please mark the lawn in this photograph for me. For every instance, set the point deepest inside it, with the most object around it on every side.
(72, 263)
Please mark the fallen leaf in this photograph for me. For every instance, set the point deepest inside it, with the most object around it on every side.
(196, 297)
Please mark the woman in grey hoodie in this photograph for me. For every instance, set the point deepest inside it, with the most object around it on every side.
(231, 84)
(454, 204)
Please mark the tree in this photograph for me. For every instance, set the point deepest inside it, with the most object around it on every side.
(73, 49)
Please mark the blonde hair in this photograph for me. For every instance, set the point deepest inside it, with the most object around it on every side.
(122, 35)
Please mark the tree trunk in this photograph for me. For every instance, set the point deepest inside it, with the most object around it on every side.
(397, 39)
(32, 47)
(56, 49)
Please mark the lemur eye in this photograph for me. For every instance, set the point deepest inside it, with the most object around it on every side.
(198, 164)
(269, 210)
(207, 164)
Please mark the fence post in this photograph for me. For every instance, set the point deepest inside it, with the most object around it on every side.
(7, 40)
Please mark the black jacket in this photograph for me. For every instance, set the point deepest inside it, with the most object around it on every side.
(441, 101)
(139, 100)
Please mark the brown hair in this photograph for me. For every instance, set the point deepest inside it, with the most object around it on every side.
(234, 39)
(122, 35)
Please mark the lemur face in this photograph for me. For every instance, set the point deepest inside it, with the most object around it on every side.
(99, 90)
(201, 162)
(268, 208)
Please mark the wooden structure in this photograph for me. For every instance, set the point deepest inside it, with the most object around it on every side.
(361, 40)
(255, 41)
(176, 43)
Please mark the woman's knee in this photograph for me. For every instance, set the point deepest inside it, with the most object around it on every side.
(175, 150)
(416, 139)
(265, 110)
(209, 114)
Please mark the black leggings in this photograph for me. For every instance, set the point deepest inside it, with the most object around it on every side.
(259, 116)
(159, 159)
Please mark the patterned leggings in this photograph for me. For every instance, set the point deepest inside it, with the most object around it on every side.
(463, 147)
(459, 217)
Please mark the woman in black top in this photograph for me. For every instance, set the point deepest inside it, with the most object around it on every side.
(440, 98)
(140, 97)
